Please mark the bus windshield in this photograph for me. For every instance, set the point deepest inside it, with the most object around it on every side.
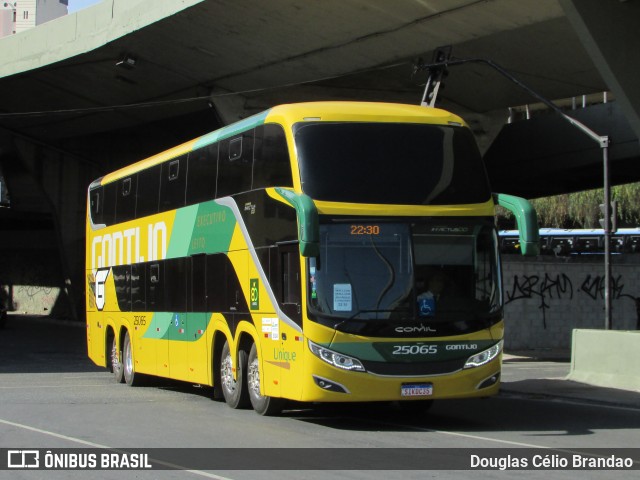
(405, 272)
(390, 163)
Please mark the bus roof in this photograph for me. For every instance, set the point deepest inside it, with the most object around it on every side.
(290, 114)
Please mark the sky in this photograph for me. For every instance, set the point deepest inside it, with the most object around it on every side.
(75, 5)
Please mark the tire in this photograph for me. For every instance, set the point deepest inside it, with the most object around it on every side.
(262, 404)
(234, 390)
(116, 361)
(131, 378)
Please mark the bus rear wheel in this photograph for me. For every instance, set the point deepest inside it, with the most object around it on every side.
(116, 363)
(234, 390)
(131, 378)
(262, 404)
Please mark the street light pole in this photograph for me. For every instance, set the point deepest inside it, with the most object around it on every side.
(601, 140)
(607, 237)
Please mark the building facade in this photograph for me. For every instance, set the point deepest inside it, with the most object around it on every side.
(19, 15)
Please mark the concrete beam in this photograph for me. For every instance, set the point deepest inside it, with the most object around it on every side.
(82, 32)
(609, 31)
(229, 107)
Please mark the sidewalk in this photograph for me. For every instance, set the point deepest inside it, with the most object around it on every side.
(542, 374)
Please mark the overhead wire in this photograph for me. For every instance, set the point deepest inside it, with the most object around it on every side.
(177, 101)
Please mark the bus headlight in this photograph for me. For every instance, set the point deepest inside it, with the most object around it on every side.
(336, 359)
(484, 357)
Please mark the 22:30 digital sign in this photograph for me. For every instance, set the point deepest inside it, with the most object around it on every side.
(365, 229)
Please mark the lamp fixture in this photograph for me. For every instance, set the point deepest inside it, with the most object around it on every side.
(127, 62)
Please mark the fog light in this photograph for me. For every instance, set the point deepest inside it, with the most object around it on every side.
(492, 380)
(329, 385)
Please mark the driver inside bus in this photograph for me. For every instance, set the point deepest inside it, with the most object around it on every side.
(427, 300)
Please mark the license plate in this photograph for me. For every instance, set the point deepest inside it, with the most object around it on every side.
(417, 390)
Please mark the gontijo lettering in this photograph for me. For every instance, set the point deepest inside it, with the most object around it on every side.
(123, 246)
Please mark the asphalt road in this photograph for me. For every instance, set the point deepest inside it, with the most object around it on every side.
(52, 396)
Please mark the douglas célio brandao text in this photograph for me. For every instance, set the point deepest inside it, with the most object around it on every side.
(550, 461)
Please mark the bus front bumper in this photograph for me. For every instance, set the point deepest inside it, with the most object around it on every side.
(326, 383)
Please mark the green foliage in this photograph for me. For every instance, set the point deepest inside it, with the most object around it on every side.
(581, 209)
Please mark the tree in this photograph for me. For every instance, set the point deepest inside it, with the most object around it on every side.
(581, 209)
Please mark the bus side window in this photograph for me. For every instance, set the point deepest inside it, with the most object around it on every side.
(289, 279)
(202, 174)
(173, 184)
(224, 293)
(561, 246)
(122, 280)
(271, 165)
(138, 290)
(155, 284)
(175, 285)
(216, 276)
(148, 191)
(587, 245)
(109, 206)
(235, 164)
(198, 284)
(126, 199)
(96, 202)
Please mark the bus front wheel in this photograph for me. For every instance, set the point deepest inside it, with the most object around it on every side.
(261, 404)
(234, 389)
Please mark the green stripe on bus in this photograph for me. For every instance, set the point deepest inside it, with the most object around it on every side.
(231, 130)
(159, 327)
(190, 328)
(212, 229)
(184, 222)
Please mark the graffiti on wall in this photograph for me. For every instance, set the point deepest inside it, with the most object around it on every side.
(559, 286)
(593, 286)
(543, 289)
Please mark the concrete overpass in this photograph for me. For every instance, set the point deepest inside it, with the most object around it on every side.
(111, 84)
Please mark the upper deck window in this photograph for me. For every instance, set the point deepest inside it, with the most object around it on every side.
(390, 163)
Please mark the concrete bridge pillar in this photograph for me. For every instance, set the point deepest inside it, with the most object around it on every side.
(42, 232)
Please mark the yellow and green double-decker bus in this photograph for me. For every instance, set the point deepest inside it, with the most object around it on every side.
(317, 252)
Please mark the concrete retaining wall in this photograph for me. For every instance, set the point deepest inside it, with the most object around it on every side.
(606, 358)
(546, 298)
(31, 283)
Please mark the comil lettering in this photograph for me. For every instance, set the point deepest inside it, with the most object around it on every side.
(123, 247)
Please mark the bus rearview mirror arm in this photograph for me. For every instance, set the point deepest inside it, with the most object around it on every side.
(308, 224)
(526, 219)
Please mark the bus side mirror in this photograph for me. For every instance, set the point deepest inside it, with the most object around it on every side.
(526, 219)
(308, 224)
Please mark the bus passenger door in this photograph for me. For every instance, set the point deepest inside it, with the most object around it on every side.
(197, 321)
(291, 340)
(175, 304)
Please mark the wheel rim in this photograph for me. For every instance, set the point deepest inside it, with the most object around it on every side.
(226, 374)
(115, 361)
(253, 378)
(128, 361)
